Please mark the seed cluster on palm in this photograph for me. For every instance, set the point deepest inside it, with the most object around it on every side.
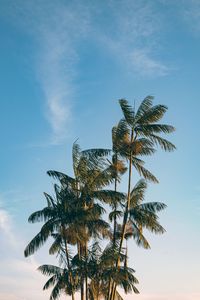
(90, 221)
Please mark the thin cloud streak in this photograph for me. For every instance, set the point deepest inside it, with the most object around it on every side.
(19, 278)
(145, 65)
(56, 63)
(191, 14)
(138, 26)
(6, 228)
(56, 29)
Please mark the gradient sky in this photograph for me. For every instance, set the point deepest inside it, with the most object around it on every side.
(63, 66)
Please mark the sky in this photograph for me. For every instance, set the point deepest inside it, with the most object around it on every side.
(63, 67)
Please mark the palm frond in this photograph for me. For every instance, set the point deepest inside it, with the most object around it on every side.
(153, 114)
(142, 147)
(144, 107)
(57, 244)
(109, 196)
(138, 193)
(95, 153)
(115, 214)
(100, 178)
(148, 129)
(118, 296)
(135, 232)
(63, 178)
(50, 200)
(41, 215)
(119, 132)
(128, 111)
(55, 294)
(51, 282)
(35, 244)
(76, 154)
(144, 172)
(163, 143)
(40, 238)
(146, 219)
(50, 270)
(152, 206)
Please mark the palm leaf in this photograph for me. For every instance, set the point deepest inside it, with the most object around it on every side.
(138, 193)
(146, 219)
(144, 107)
(144, 172)
(148, 129)
(76, 154)
(63, 178)
(50, 270)
(95, 153)
(152, 206)
(134, 231)
(153, 114)
(164, 144)
(55, 294)
(109, 196)
(128, 111)
(57, 244)
(115, 214)
(51, 282)
(41, 215)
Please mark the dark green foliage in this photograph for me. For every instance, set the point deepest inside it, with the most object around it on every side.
(87, 208)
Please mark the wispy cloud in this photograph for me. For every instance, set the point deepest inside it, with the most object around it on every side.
(4, 221)
(56, 61)
(145, 65)
(190, 12)
(19, 278)
(55, 29)
(6, 228)
(129, 30)
(133, 37)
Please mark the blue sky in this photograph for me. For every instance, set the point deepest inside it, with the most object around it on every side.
(63, 65)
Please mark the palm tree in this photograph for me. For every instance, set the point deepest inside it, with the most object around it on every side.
(90, 177)
(141, 133)
(59, 280)
(118, 168)
(101, 267)
(67, 222)
(73, 216)
(143, 215)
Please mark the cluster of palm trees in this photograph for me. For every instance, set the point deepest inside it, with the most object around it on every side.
(89, 221)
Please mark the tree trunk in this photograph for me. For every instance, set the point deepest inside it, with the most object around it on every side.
(68, 263)
(82, 276)
(113, 290)
(86, 275)
(110, 286)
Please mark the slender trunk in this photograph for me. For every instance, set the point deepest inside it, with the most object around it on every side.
(109, 290)
(126, 255)
(82, 288)
(86, 275)
(110, 286)
(69, 268)
(115, 217)
(70, 272)
(81, 276)
(125, 219)
(127, 208)
(79, 246)
(86, 288)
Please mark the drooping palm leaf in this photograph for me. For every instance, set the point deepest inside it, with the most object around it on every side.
(128, 111)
